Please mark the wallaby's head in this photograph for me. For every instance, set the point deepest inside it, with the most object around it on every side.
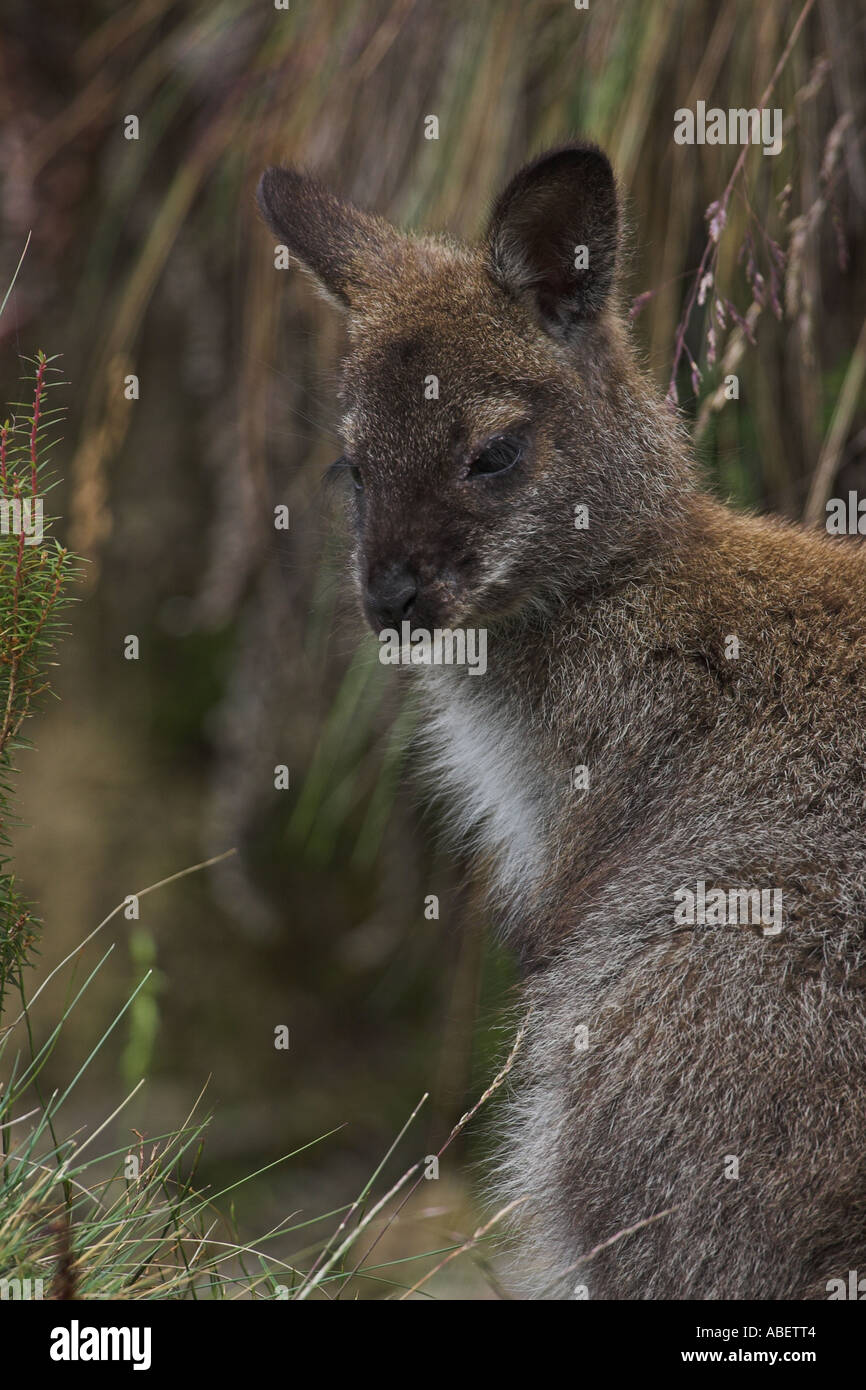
(488, 393)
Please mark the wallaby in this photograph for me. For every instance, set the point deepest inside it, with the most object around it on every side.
(672, 720)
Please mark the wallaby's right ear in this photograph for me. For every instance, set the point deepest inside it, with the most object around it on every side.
(346, 249)
(553, 236)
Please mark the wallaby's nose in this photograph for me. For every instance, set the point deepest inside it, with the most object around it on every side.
(391, 596)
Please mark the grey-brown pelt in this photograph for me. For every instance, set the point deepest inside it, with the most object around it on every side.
(661, 1058)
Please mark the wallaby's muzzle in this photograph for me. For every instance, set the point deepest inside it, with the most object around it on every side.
(389, 597)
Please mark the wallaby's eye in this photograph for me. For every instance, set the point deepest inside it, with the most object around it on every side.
(345, 465)
(497, 456)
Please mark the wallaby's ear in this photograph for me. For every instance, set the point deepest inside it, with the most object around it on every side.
(553, 234)
(346, 249)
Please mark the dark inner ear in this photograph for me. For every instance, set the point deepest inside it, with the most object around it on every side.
(344, 247)
(562, 202)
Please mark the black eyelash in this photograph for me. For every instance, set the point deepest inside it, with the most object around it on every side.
(344, 465)
(499, 455)
(333, 471)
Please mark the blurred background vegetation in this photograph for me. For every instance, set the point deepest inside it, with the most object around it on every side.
(147, 258)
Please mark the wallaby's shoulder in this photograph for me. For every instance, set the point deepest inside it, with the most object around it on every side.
(777, 585)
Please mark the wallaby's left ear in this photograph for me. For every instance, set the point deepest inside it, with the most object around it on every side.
(553, 235)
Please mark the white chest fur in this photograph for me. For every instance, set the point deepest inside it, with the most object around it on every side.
(483, 759)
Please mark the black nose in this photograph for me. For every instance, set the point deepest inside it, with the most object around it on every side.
(391, 596)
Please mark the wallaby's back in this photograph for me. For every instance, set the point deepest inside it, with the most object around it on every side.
(714, 1069)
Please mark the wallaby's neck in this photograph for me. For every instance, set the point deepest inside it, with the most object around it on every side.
(569, 685)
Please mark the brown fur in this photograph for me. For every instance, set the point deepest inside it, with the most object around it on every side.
(607, 648)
